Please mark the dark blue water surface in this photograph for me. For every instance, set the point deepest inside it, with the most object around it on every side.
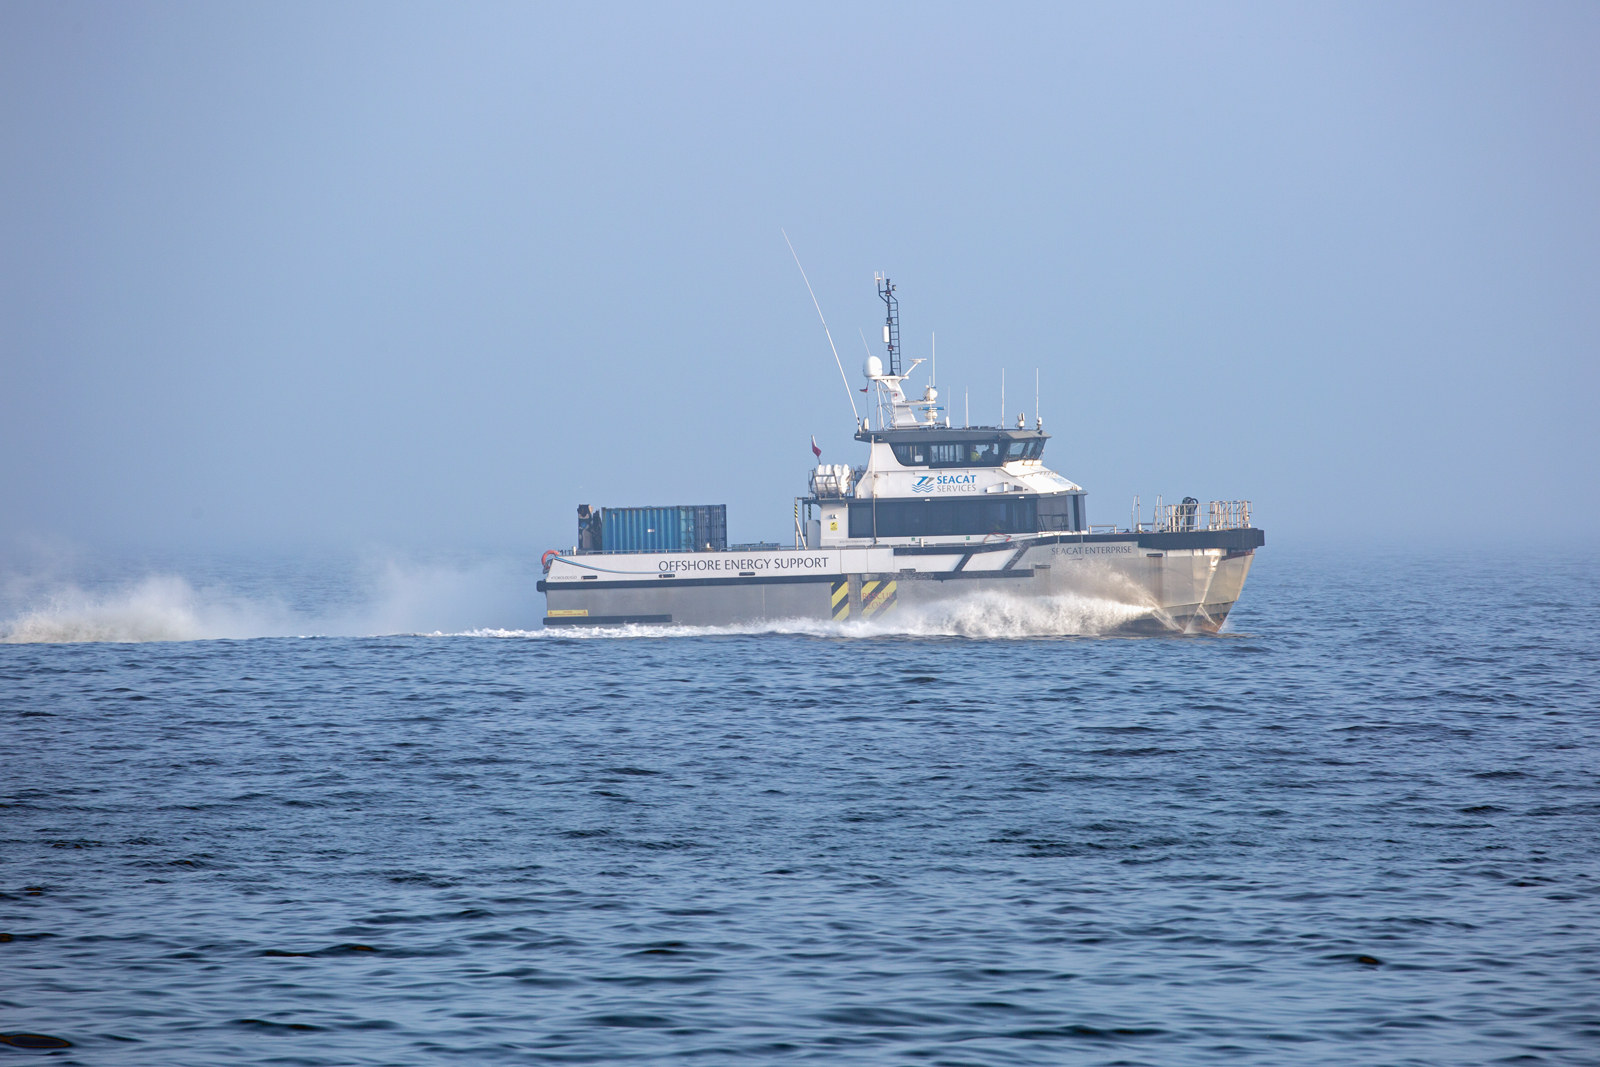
(1362, 828)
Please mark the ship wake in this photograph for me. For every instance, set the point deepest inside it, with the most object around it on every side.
(982, 616)
(425, 601)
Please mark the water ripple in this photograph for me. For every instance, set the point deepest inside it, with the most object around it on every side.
(1359, 830)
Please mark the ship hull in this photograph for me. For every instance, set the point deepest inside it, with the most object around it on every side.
(1164, 583)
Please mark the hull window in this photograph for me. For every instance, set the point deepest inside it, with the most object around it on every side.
(935, 518)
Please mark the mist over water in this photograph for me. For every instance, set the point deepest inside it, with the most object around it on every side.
(158, 608)
(241, 599)
(1359, 829)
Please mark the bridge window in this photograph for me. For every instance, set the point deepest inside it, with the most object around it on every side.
(913, 455)
(983, 453)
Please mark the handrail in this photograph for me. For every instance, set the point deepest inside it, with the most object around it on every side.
(1187, 517)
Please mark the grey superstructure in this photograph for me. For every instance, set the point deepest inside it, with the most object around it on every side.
(938, 516)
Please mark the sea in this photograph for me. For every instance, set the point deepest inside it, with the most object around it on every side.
(294, 813)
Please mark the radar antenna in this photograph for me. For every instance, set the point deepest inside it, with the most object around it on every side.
(891, 321)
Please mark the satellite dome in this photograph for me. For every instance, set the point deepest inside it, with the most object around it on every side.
(873, 367)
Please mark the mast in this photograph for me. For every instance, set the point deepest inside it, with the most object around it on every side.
(891, 321)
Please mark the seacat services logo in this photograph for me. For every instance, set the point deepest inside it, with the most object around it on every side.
(922, 485)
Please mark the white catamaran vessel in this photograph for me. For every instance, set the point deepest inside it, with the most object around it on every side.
(936, 514)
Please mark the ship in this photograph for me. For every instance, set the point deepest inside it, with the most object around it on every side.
(937, 515)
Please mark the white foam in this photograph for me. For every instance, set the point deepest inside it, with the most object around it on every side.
(1000, 615)
(983, 615)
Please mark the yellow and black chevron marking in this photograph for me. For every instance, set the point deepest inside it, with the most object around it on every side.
(841, 600)
(877, 596)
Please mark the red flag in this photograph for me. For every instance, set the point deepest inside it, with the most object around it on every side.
(814, 447)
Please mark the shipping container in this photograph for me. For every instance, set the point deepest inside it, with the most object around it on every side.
(686, 528)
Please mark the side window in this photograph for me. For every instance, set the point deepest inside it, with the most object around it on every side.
(911, 455)
(1055, 513)
(984, 454)
(1017, 449)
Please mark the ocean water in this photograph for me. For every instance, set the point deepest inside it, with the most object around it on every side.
(1363, 826)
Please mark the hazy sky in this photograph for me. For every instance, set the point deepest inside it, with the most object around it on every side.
(432, 275)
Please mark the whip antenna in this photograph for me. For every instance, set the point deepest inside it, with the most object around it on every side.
(825, 329)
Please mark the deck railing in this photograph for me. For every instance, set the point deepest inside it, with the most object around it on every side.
(1190, 516)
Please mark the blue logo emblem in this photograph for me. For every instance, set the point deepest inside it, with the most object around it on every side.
(922, 485)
